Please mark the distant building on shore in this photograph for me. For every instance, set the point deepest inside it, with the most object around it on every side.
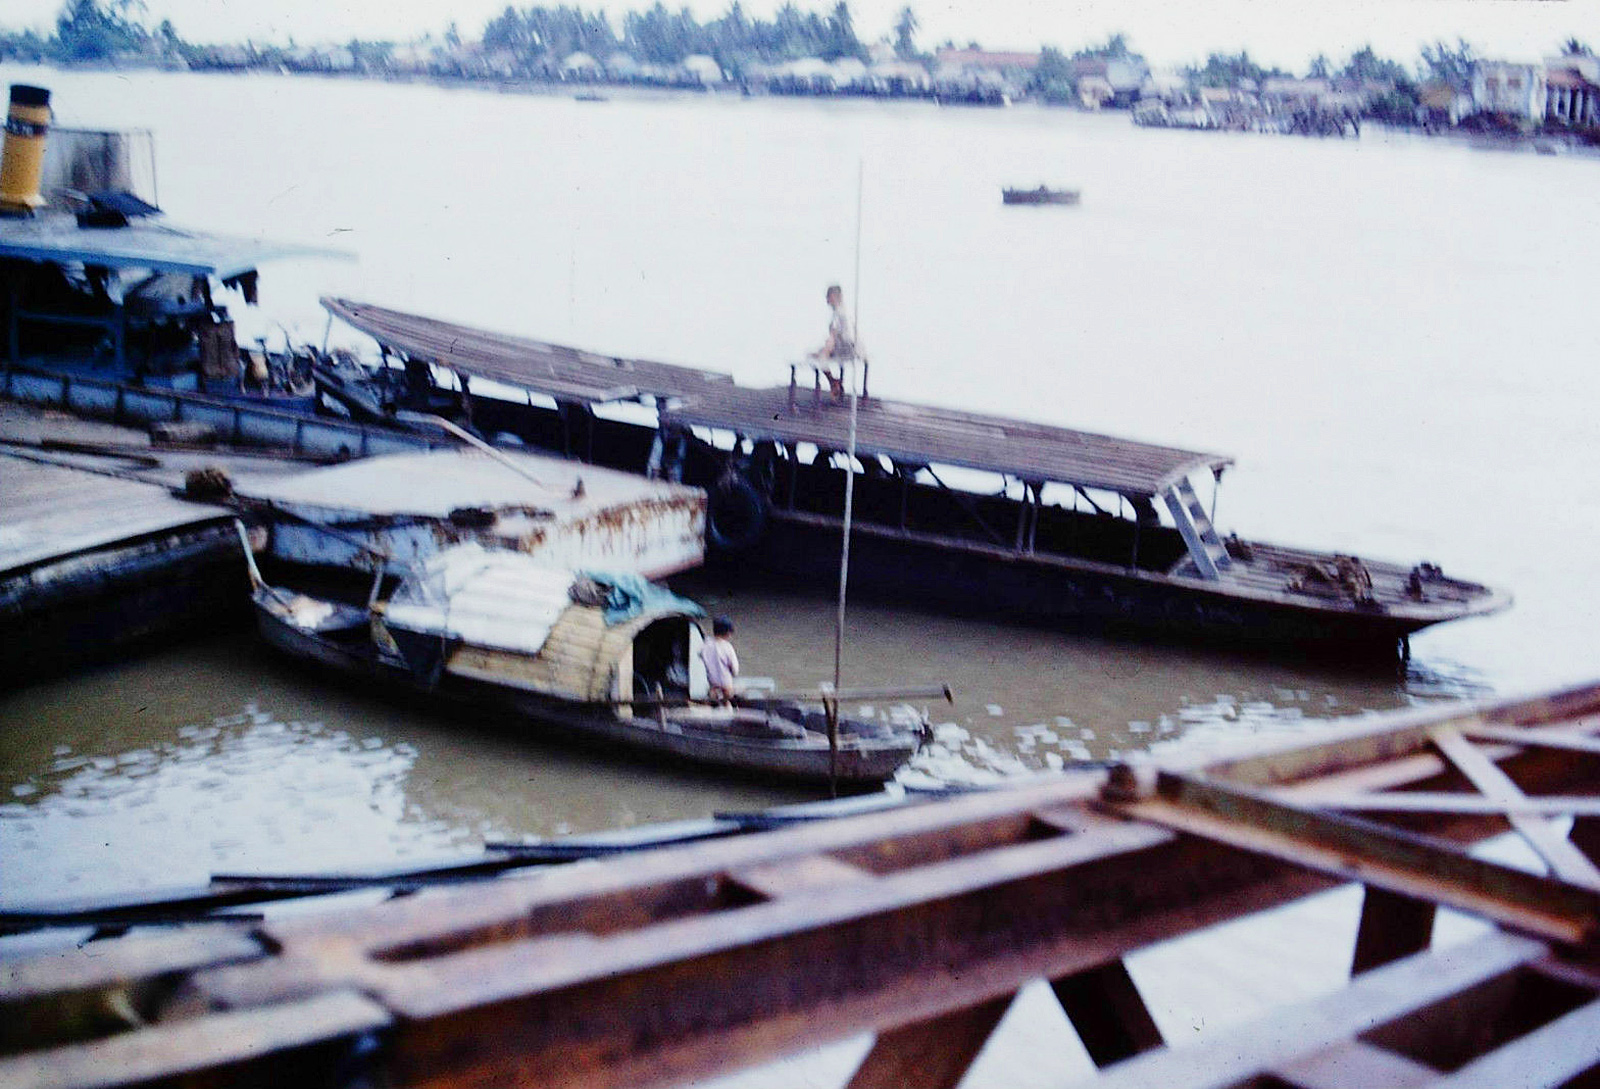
(1572, 90)
(1509, 90)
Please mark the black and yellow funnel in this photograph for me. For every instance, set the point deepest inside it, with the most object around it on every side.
(22, 161)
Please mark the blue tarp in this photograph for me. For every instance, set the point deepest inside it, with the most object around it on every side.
(628, 596)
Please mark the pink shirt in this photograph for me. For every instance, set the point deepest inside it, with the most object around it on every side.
(722, 663)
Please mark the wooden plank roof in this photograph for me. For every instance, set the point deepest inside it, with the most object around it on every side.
(915, 434)
(922, 434)
(567, 374)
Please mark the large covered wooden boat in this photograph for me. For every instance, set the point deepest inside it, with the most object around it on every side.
(613, 661)
(953, 509)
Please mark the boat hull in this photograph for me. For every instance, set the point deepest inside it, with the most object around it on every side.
(869, 763)
(1055, 591)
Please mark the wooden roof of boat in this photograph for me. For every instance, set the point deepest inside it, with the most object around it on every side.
(922, 434)
(908, 433)
(567, 374)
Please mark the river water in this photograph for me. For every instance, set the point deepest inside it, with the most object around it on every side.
(1394, 337)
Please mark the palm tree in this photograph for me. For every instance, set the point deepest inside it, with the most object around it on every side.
(905, 34)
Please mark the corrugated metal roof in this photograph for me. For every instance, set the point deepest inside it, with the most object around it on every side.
(48, 512)
(567, 374)
(490, 598)
(921, 434)
(143, 243)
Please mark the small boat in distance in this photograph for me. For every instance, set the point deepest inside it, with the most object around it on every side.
(612, 660)
(1040, 195)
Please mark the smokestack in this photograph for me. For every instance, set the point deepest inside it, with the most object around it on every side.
(22, 161)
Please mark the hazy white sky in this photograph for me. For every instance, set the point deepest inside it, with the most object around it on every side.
(1169, 32)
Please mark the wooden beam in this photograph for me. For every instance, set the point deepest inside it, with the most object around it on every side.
(932, 1054)
(1108, 1012)
(1392, 927)
(1564, 859)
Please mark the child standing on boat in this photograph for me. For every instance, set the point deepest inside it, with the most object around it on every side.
(841, 342)
(722, 661)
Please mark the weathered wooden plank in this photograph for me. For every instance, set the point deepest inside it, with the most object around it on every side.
(1108, 1012)
(932, 1054)
(203, 1044)
(1236, 1056)
(1564, 859)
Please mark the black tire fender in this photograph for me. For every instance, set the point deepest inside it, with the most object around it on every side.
(736, 515)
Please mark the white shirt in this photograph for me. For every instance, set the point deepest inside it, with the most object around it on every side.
(722, 663)
(844, 344)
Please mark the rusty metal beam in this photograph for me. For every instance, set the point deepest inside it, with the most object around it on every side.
(1424, 801)
(1237, 1056)
(1377, 855)
(1558, 852)
(1108, 1012)
(1355, 1065)
(932, 1054)
(917, 924)
(206, 1051)
(1555, 1054)
(1392, 926)
(1568, 740)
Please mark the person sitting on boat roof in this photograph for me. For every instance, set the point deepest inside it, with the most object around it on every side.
(722, 661)
(841, 342)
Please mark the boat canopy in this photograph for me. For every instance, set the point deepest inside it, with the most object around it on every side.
(143, 243)
(514, 621)
(914, 434)
(490, 598)
(910, 434)
(566, 374)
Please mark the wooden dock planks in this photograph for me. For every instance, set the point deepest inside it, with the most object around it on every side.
(48, 512)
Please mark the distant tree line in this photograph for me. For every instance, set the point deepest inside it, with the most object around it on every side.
(540, 39)
(660, 36)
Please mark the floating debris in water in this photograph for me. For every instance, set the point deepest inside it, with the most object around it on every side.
(995, 709)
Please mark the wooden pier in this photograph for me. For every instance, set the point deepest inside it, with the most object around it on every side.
(918, 925)
(91, 562)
